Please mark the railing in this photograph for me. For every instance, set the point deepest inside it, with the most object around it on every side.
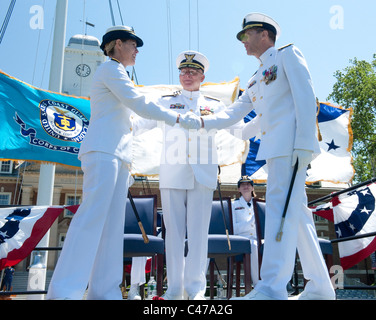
(31, 292)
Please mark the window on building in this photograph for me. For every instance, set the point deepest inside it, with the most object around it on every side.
(6, 166)
(71, 200)
(5, 198)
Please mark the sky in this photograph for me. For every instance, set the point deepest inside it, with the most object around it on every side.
(328, 32)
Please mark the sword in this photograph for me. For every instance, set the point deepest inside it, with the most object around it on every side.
(144, 235)
(279, 234)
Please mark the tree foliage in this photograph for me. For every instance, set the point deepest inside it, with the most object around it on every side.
(356, 88)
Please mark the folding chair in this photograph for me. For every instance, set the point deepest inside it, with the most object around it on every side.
(218, 245)
(134, 245)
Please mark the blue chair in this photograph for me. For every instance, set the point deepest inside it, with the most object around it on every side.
(134, 245)
(218, 245)
(259, 210)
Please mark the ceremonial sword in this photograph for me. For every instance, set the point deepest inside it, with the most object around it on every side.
(279, 234)
(144, 235)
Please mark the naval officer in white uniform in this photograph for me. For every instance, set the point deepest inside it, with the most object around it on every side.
(93, 250)
(283, 97)
(187, 179)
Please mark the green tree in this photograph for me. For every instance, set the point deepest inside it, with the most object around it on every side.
(356, 88)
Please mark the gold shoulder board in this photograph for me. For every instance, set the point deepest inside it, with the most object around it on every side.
(284, 47)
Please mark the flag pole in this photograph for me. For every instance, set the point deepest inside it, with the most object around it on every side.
(334, 194)
(47, 171)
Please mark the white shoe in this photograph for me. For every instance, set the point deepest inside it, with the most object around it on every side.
(312, 296)
(168, 296)
(253, 295)
(197, 296)
(134, 292)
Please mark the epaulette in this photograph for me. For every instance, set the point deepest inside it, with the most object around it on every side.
(284, 47)
(212, 98)
(175, 94)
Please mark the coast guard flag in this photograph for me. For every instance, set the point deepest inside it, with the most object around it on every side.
(40, 125)
(333, 164)
(353, 213)
(21, 229)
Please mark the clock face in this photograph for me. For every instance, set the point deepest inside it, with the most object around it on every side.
(83, 70)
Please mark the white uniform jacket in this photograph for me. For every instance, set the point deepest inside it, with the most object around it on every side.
(188, 154)
(243, 218)
(113, 98)
(282, 95)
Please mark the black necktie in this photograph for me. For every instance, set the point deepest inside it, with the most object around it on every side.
(249, 204)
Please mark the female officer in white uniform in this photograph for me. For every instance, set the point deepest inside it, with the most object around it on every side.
(244, 224)
(93, 250)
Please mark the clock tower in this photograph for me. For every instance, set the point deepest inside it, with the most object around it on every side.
(82, 56)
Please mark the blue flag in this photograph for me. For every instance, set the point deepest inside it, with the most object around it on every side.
(40, 125)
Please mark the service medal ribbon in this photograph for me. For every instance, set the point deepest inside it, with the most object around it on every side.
(252, 84)
(204, 111)
(177, 106)
(270, 74)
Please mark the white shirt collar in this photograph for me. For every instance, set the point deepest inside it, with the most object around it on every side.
(268, 53)
(191, 94)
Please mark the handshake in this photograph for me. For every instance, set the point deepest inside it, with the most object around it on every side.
(190, 121)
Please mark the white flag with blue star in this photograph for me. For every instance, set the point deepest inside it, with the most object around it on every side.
(334, 163)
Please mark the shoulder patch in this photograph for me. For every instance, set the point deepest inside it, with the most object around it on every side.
(174, 94)
(286, 46)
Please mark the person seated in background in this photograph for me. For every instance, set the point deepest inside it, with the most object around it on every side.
(243, 218)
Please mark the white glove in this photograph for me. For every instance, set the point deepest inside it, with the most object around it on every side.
(304, 156)
(190, 121)
(251, 128)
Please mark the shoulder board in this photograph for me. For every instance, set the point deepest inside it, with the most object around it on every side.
(212, 98)
(286, 46)
(175, 94)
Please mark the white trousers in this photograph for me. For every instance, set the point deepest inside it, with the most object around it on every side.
(187, 212)
(299, 233)
(254, 263)
(93, 249)
(138, 270)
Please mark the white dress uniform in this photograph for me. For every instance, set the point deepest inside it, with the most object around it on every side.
(282, 95)
(187, 179)
(244, 224)
(93, 249)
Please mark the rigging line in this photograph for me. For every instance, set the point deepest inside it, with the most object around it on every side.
(6, 20)
(169, 42)
(112, 13)
(121, 17)
(36, 54)
(82, 42)
(48, 48)
(198, 28)
(36, 57)
(189, 24)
